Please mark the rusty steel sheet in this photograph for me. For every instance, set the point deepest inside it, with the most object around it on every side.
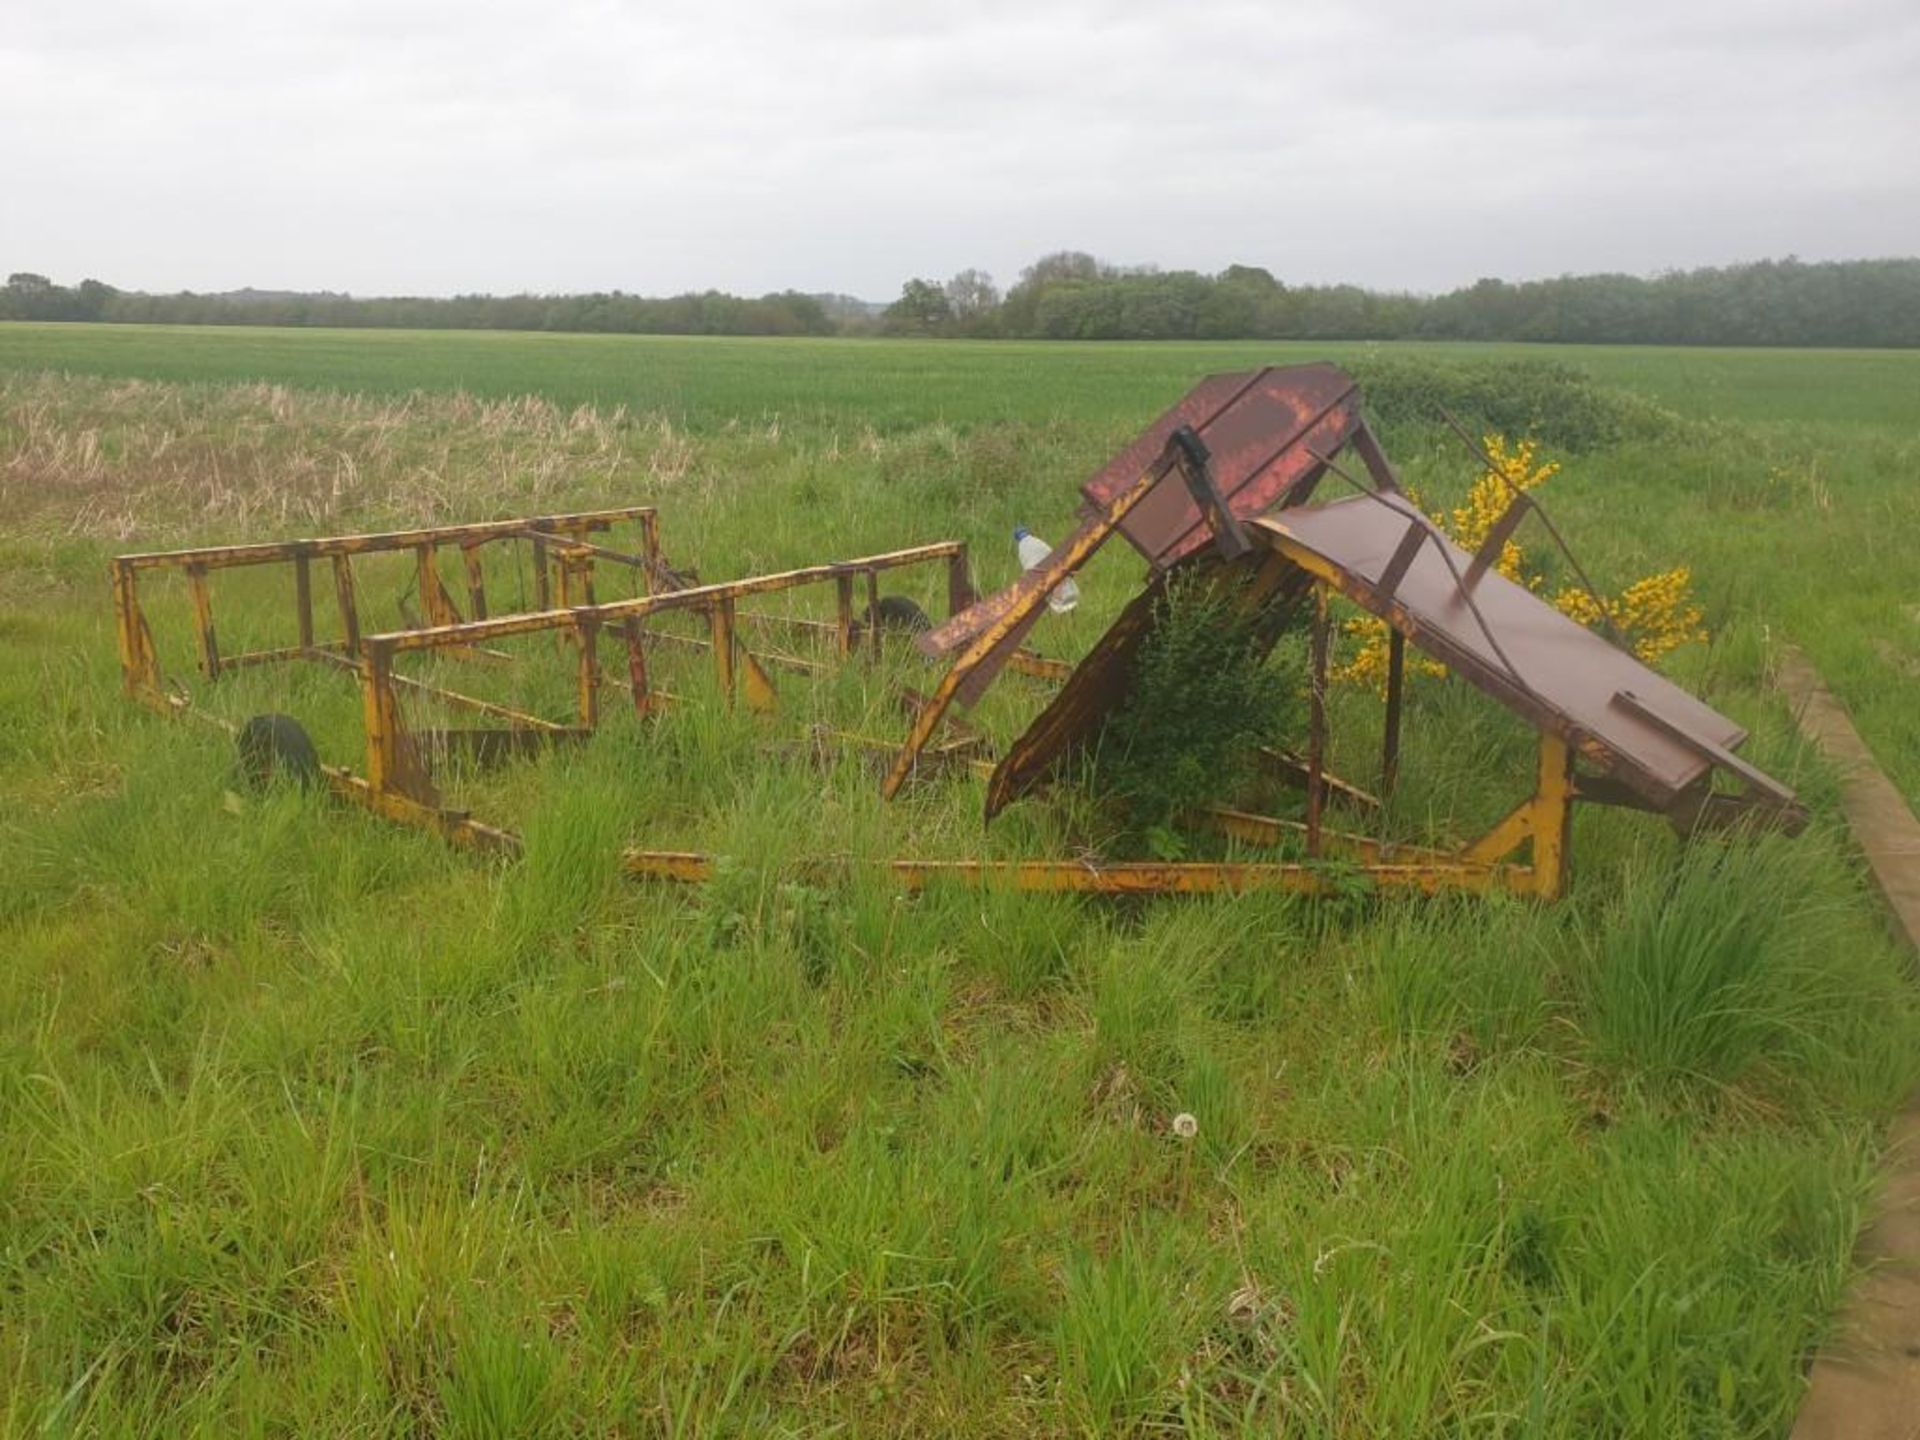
(1539, 663)
(1262, 429)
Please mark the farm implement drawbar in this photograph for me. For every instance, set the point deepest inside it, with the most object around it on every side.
(1222, 489)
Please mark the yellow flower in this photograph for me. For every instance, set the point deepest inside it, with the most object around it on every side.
(1656, 615)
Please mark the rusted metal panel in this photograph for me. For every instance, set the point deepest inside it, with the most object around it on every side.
(1259, 428)
(1075, 715)
(1536, 661)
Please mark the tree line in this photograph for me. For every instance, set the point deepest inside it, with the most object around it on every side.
(29, 296)
(1071, 295)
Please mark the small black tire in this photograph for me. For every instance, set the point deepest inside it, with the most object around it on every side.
(896, 613)
(276, 747)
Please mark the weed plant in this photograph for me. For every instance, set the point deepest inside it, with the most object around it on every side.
(1206, 690)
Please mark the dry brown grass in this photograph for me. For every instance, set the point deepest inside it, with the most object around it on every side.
(145, 461)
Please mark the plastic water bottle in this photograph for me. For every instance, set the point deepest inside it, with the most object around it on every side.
(1033, 550)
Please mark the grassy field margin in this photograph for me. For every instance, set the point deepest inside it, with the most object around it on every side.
(312, 1118)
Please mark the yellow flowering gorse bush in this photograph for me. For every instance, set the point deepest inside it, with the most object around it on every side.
(1655, 615)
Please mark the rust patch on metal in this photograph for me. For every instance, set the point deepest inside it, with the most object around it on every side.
(1261, 429)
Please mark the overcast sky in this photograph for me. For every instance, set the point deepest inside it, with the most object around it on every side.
(437, 146)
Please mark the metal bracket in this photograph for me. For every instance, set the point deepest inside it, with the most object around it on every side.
(1497, 537)
(1191, 454)
(1402, 559)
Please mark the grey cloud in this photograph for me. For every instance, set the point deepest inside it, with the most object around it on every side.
(430, 146)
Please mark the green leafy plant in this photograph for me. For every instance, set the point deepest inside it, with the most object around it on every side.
(1207, 692)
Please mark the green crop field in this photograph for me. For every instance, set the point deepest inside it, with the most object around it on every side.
(315, 1125)
(890, 385)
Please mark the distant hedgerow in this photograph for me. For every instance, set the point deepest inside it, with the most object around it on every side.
(1555, 403)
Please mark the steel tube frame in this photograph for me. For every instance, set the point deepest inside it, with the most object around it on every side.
(694, 597)
(392, 763)
(140, 668)
(215, 557)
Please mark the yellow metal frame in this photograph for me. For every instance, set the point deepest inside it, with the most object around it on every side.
(397, 785)
(561, 539)
(1538, 825)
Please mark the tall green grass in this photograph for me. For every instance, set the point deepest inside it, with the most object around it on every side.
(315, 1126)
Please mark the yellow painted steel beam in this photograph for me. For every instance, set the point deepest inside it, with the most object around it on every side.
(393, 761)
(1195, 877)
(203, 621)
(435, 603)
(215, 557)
(1508, 834)
(589, 677)
(775, 659)
(277, 655)
(1291, 769)
(456, 698)
(696, 597)
(303, 598)
(1269, 830)
(1012, 621)
(756, 685)
(139, 666)
(689, 867)
(349, 604)
(720, 619)
(454, 826)
(964, 750)
(476, 579)
(1027, 662)
(1543, 818)
(1552, 817)
(1040, 667)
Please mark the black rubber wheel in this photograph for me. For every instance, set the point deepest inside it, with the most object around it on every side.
(276, 747)
(893, 612)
